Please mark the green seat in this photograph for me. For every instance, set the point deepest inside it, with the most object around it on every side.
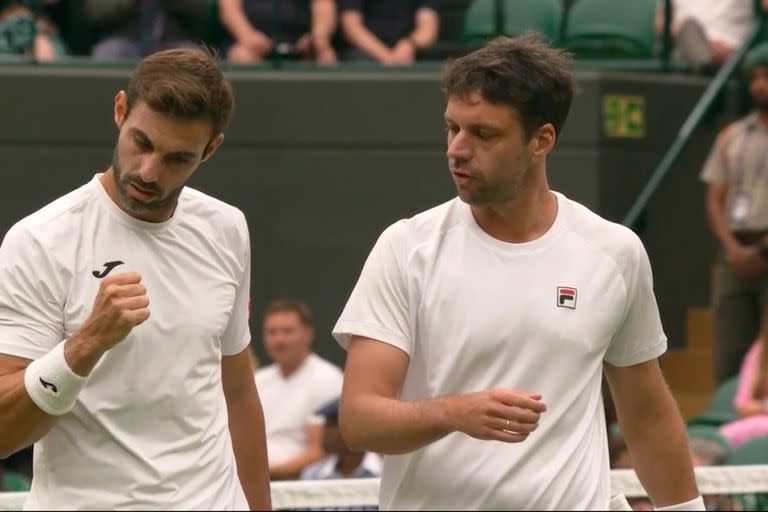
(721, 407)
(709, 433)
(520, 16)
(753, 452)
(601, 29)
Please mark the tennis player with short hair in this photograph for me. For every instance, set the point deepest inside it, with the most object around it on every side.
(129, 409)
(479, 330)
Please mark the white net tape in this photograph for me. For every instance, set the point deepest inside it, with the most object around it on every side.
(364, 492)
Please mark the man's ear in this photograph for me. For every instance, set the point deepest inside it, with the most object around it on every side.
(121, 108)
(212, 146)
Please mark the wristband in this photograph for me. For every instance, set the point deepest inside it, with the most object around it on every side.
(695, 504)
(51, 383)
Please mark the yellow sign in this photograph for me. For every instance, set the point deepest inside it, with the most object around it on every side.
(624, 116)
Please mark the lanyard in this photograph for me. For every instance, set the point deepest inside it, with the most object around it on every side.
(741, 170)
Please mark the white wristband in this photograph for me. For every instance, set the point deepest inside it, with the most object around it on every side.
(695, 504)
(52, 384)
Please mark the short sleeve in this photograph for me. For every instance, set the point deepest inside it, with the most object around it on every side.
(32, 296)
(640, 336)
(378, 305)
(237, 335)
(715, 168)
(350, 5)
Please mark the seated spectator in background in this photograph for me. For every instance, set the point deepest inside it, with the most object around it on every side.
(391, 32)
(26, 31)
(300, 29)
(751, 399)
(705, 32)
(292, 388)
(136, 28)
(340, 460)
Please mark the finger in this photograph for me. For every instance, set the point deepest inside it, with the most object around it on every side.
(523, 400)
(134, 303)
(515, 427)
(137, 316)
(121, 278)
(517, 414)
(128, 290)
(506, 437)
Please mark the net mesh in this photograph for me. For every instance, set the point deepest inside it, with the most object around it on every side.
(748, 483)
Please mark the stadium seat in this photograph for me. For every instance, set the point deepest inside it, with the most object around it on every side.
(520, 16)
(754, 451)
(599, 29)
(709, 433)
(721, 407)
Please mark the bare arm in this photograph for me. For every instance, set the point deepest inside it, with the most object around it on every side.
(291, 468)
(323, 21)
(361, 38)
(233, 17)
(715, 206)
(22, 422)
(654, 432)
(373, 418)
(246, 427)
(427, 26)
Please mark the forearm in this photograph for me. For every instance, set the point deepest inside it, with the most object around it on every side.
(427, 26)
(392, 426)
(658, 446)
(718, 224)
(246, 427)
(362, 38)
(234, 19)
(323, 20)
(291, 468)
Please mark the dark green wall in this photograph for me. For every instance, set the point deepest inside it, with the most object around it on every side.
(321, 162)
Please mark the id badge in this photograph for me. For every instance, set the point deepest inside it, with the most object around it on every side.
(740, 207)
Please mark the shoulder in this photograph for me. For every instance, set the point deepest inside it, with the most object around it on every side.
(265, 373)
(613, 240)
(407, 233)
(323, 367)
(214, 215)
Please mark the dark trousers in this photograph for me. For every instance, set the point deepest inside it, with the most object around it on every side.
(738, 306)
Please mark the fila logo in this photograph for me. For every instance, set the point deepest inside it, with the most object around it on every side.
(566, 297)
(108, 266)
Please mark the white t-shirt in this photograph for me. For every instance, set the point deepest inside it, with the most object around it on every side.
(290, 403)
(475, 313)
(149, 429)
(723, 20)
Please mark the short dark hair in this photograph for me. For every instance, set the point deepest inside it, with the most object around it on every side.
(184, 83)
(523, 72)
(291, 305)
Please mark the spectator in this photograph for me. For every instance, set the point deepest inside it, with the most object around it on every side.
(300, 28)
(751, 399)
(341, 461)
(737, 210)
(292, 388)
(26, 31)
(706, 32)
(136, 28)
(391, 32)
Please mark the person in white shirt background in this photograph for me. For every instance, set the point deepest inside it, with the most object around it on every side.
(124, 330)
(478, 332)
(293, 387)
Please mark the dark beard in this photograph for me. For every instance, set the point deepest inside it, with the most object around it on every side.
(137, 207)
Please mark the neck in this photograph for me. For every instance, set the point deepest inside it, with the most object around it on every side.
(349, 462)
(522, 219)
(288, 369)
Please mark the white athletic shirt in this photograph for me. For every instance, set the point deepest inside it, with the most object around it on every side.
(475, 313)
(149, 429)
(723, 20)
(290, 403)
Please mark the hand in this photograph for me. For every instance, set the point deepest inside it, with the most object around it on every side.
(258, 42)
(746, 261)
(120, 305)
(403, 53)
(497, 414)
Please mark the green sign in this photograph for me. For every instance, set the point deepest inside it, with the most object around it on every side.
(624, 116)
